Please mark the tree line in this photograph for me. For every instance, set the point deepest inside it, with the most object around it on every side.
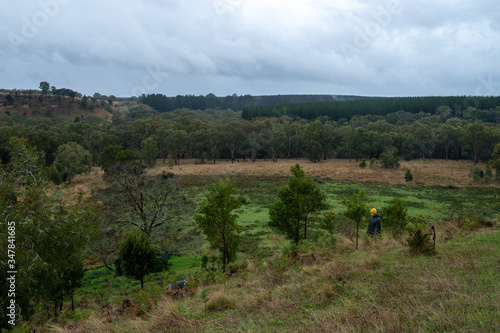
(213, 135)
(483, 108)
(163, 103)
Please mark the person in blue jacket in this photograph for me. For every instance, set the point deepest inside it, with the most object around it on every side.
(374, 227)
(178, 285)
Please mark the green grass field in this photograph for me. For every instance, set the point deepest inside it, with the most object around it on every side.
(260, 241)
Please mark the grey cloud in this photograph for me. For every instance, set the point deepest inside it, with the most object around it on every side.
(259, 47)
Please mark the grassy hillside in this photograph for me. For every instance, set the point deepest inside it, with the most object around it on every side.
(379, 288)
(316, 287)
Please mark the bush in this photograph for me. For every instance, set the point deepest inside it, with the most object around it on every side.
(408, 176)
(321, 238)
(329, 224)
(476, 174)
(362, 164)
(395, 216)
(419, 240)
(372, 162)
(469, 219)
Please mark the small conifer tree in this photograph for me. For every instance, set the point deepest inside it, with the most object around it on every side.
(395, 215)
(419, 240)
(138, 255)
(357, 210)
(408, 176)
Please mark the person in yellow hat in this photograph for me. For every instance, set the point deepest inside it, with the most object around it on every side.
(374, 226)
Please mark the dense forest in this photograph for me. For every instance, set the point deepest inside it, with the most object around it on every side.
(390, 126)
(482, 108)
(162, 103)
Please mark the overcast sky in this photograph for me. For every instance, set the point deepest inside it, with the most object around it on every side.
(257, 47)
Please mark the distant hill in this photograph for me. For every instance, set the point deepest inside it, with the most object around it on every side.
(31, 105)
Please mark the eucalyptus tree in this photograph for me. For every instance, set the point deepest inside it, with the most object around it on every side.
(149, 151)
(316, 137)
(73, 159)
(477, 137)
(49, 249)
(273, 138)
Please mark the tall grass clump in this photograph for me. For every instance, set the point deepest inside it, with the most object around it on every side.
(219, 301)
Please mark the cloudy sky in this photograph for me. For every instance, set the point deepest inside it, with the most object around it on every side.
(257, 47)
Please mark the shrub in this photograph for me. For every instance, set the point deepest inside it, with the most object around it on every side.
(372, 162)
(395, 215)
(419, 240)
(471, 219)
(362, 164)
(170, 161)
(321, 238)
(329, 224)
(476, 174)
(408, 176)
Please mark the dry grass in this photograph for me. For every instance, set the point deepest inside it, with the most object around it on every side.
(435, 172)
(378, 288)
(92, 324)
(165, 317)
(219, 301)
